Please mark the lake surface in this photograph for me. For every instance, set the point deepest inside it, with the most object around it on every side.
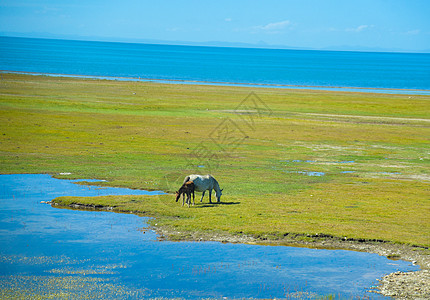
(62, 252)
(218, 65)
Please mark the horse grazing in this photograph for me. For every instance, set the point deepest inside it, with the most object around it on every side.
(188, 189)
(204, 183)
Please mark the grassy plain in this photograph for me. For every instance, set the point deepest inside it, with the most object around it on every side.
(344, 164)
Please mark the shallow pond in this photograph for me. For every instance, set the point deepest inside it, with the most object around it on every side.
(45, 251)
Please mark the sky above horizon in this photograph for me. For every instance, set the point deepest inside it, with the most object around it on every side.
(387, 25)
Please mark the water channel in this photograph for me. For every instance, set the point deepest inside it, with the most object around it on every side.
(70, 254)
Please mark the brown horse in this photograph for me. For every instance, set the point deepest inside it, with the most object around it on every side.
(188, 189)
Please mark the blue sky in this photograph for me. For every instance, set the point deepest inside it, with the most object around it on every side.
(391, 25)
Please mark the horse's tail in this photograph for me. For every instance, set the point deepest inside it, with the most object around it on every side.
(186, 179)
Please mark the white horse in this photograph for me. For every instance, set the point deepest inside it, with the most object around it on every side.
(202, 183)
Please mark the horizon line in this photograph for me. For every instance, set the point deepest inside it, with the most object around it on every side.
(215, 44)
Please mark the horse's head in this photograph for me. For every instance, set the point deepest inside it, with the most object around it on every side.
(218, 195)
(178, 195)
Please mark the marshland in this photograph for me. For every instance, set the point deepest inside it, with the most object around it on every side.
(297, 167)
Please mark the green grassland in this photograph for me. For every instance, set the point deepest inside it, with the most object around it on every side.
(264, 146)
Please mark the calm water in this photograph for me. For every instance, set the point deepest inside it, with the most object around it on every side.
(217, 65)
(49, 251)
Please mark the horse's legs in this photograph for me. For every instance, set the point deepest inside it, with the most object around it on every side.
(183, 199)
(194, 203)
(210, 194)
(203, 194)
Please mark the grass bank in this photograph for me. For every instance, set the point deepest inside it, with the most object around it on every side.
(352, 165)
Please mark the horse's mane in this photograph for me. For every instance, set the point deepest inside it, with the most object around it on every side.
(216, 184)
(187, 179)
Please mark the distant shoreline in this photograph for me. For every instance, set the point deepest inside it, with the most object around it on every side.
(234, 84)
(214, 44)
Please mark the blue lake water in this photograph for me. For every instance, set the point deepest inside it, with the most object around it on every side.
(217, 65)
(49, 251)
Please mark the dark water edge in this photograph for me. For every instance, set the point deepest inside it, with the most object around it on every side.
(233, 84)
(56, 252)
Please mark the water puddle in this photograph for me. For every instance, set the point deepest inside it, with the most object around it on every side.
(308, 173)
(49, 252)
(315, 173)
(322, 162)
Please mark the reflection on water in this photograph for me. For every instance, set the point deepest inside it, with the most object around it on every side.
(62, 253)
